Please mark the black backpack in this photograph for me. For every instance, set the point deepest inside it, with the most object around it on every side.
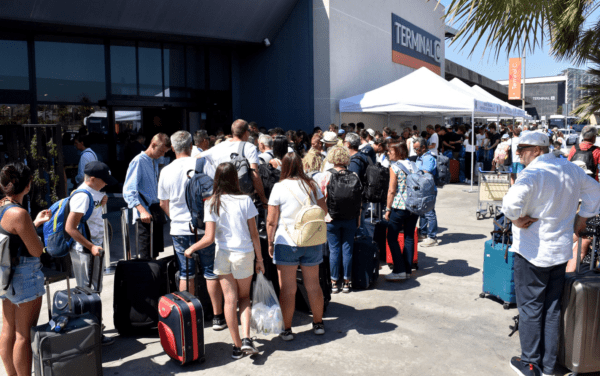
(587, 157)
(344, 194)
(243, 168)
(443, 170)
(269, 176)
(377, 182)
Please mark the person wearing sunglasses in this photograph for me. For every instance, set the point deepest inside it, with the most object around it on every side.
(542, 241)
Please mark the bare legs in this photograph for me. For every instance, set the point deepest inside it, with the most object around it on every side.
(237, 291)
(287, 296)
(15, 340)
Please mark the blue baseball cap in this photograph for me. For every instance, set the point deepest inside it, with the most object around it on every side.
(99, 170)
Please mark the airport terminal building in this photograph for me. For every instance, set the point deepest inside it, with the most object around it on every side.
(124, 66)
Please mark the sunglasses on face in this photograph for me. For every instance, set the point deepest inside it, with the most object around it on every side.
(521, 148)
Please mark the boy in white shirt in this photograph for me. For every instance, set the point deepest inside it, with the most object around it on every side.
(96, 176)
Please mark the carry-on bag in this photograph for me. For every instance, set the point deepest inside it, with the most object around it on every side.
(379, 238)
(498, 263)
(580, 328)
(388, 254)
(70, 344)
(454, 171)
(365, 264)
(302, 303)
(139, 284)
(181, 325)
(83, 299)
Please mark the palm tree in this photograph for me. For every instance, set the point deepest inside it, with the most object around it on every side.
(510, 26)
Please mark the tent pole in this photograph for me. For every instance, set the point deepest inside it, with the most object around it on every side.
(472, 143)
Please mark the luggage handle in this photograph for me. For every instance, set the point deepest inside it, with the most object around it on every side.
(137, 237)
(592, 257)
(49, 302)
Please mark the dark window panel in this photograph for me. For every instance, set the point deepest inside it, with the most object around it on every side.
(220, 69)
(70, 72)
(174, 64)
(195, 68)
(150, 69)
(122, 69)
(14, 69)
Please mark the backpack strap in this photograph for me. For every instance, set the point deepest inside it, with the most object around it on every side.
(309, 198)
(241, 148)
(9, 206)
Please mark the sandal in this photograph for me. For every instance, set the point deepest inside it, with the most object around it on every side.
(334, 287)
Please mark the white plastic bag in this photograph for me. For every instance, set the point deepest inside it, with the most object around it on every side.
(267, 318)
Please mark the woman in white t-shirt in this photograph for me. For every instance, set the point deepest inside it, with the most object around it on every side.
(284, 205)
(469, 153)
(230, 223)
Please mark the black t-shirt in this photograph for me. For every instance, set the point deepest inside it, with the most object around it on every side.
(452, 137)
(495, 137)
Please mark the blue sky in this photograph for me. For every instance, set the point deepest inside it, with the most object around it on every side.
(538, 64)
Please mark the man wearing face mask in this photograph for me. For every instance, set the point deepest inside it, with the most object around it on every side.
(542, 205)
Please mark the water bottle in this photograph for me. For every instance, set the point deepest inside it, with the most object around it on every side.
(59, 323)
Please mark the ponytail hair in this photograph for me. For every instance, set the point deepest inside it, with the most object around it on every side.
(14, 178)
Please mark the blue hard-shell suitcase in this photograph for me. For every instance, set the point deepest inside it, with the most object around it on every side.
(498, 273)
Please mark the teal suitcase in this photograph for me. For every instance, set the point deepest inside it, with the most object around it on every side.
(498, 273)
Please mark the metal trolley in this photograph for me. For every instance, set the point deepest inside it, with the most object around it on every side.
(493, 185)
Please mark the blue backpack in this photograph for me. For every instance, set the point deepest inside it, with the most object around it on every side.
(198, 188)
(420, 192)
(58, 242)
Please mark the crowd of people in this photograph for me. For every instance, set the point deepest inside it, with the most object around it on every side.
(310, 170)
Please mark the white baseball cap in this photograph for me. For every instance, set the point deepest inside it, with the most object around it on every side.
(505, 136)
(371, 132)
(534, 138)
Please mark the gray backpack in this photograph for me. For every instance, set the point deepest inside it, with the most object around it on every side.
(243, 168)
(420, 192)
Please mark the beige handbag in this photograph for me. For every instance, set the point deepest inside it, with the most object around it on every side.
(310, 228)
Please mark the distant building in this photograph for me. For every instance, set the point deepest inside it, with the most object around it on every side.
(555, 95)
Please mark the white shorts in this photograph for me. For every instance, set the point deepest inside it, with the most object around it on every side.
(240, 264)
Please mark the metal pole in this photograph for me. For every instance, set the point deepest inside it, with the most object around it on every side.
(524, 75)
(125, 234)
(472, 143)
(106, 242)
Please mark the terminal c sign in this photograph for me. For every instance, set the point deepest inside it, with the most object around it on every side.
(414, 47)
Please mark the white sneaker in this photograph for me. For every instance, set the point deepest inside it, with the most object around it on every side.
(429, 242)
(395, 277)
(422, 237)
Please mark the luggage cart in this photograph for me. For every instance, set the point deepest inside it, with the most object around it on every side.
(493, 185)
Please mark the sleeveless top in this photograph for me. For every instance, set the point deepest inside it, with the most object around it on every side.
(15, 243)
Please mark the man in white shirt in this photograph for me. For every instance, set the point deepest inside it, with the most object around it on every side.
(542, 204)
(87, 156)
(434, 141)
(380, 148)
(171, 193)
(222, 153)
(86, 252)
(265, 146)
(201, 143)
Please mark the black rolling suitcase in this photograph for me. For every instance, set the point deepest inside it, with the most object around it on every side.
(139, 284)
(83, 299)
(302, 302)
(270, 268)
(380, 238)
(181, 326)
(365, 264)
(74, 350)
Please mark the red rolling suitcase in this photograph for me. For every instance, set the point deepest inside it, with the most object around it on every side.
(181, 326)
(454, 171)
(388, 254)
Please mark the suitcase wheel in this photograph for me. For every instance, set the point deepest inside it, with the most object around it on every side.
(506, 305)
(202, 360)
(482, 295)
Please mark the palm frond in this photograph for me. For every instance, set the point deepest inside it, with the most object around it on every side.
(589, 104)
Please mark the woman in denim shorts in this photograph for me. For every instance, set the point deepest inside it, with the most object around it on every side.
(283, 207)
(22, 302)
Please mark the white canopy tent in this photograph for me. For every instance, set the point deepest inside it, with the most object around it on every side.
(424, 93)
(488, 96)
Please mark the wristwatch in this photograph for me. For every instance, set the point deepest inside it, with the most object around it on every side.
(388, 210)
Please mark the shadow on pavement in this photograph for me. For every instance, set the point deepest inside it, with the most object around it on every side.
(339, 319)
(458, 237)
(452, 268)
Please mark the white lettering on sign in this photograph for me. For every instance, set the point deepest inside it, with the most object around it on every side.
(552, 98)
(407, 37)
